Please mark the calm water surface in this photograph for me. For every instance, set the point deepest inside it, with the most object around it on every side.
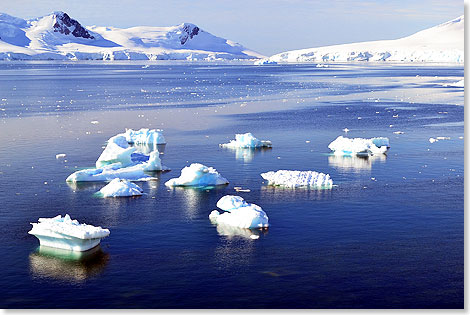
(389, 235)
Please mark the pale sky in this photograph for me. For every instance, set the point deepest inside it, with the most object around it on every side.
(266, 26)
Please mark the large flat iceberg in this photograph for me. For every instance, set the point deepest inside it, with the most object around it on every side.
(120, 188)
(359, 146)
(238, 213)
(65, 233)
(295, 179)
(198, 175)
(247, 140)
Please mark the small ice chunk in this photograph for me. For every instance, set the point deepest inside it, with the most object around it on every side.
(239, 213)
(443, 138)
(145, 136)
(398, 132)
(120, 188)
(246, 140)
(432, 140)
(346, 130)
(65, 233)
(94, 122)
(298, 179)
(60, 155)
(359, 146)
(197, 175)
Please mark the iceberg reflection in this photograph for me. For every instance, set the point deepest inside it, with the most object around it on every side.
(283, 194)
(59, 264)
(233, 231)
(247, 154)
(355, 163)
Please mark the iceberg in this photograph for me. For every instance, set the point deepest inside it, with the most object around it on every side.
(120, 188)
(246, 140)
(359, 146)
(121, 160)
(295, 179)
(197, 175)
(65, 233)
(238, 213)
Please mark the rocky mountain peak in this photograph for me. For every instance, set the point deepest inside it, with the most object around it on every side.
(66, 25)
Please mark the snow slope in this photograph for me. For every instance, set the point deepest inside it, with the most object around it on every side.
(442, 43)
(58, 36)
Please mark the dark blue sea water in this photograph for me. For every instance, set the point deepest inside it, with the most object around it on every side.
(389, 235)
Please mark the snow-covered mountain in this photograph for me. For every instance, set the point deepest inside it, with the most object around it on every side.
(442, 43)
(58, 36)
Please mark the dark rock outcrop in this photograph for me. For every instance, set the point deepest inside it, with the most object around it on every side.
(188, 32)
(64, 24)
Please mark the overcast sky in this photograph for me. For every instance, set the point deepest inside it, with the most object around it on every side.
(266, 26)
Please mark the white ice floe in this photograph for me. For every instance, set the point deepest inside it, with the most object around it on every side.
(359, 146)
(121, 160)
(145, 136)
(432, 140)
(120, 188)
(65, 233)
(247, 140)
(238, 213)
(60, 155)
(298, 179)
(197, 175)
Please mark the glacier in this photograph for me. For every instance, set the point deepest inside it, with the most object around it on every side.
(57, 36)
(65, 233)
(293, 179)
(246, 140)
(359, 146)
(238, 213)
(197, 175)
(441, 43)
(120, 188)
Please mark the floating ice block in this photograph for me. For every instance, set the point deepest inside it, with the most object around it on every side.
(359, 146)
(247, 140)
(120, 188)
(238, 213)
(65, 233)
(198, 175)
(298, 179)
